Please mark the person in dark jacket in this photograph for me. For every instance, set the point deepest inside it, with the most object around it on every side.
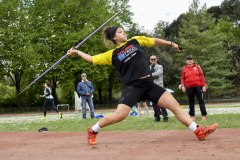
(49, 100)
(85, 90)
(193, 82)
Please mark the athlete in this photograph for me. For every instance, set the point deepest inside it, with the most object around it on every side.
(49, 100)
(130, 60)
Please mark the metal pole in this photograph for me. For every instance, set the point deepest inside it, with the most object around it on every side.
(65, 56)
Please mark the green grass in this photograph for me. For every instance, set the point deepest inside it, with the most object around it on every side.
(129, 124)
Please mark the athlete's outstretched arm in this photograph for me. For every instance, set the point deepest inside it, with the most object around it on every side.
(162, 42)
(85, 57)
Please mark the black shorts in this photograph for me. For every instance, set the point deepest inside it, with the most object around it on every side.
(141, 89)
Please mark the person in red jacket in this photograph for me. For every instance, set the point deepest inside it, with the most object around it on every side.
(193, 82)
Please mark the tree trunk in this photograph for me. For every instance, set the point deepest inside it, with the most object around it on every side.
(77, 79)
(16, 79)
(54, 87)
(100, 94)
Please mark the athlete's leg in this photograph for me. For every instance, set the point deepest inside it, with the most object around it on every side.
(131, 95)
(120, 114)
(169, 102)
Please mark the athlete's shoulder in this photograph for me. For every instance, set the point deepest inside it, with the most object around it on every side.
(139, 37)
(144, 41)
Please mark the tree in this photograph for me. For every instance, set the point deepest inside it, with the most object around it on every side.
(216, 12)
(235, 60)
(16, 50)
(231, 43)
(231, 8)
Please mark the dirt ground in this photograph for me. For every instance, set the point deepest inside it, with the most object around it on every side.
(142, 145)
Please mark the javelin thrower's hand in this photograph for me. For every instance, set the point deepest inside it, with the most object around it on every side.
(72, 52)
(175, 47)
(84, 56)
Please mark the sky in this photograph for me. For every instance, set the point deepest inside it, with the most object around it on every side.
(148, 12)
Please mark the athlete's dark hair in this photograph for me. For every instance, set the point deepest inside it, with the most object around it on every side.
(109, 33)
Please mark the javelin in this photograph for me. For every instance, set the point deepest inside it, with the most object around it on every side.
(77, 46)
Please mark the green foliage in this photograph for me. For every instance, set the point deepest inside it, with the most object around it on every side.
(35, 34)
(16, 49)
(7, 94)
(160, 28)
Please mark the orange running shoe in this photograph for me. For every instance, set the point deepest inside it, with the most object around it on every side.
(91, 136)
(202, 133)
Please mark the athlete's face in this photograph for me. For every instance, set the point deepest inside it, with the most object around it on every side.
(120, 36)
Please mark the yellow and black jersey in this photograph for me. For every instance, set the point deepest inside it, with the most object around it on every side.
(129, 58)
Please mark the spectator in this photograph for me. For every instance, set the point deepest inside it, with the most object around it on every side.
(193, 82)
(157, 74)
(85, 89)
(49, 100)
